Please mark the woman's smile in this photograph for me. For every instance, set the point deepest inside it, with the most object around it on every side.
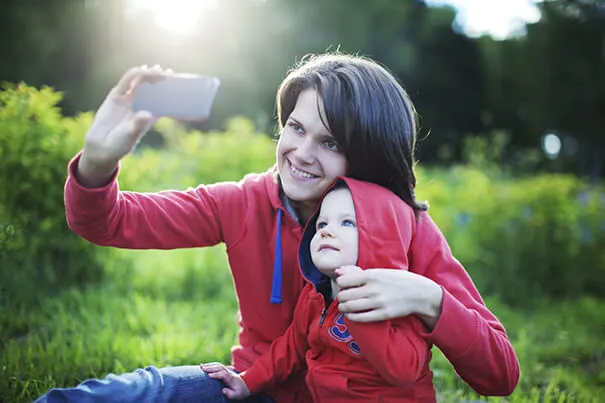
(301, 174)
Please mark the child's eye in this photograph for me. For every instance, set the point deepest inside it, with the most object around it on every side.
(348, 223)
(321, 224)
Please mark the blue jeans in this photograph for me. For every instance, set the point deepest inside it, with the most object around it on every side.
(181, 384)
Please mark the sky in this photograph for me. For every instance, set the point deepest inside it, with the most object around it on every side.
(499, 18)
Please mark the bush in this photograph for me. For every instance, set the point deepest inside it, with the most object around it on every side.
(191, 157)
(518, 237)
(36, 142)
(525, 237)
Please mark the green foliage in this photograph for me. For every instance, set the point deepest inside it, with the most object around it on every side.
(156, 309)
(36, 143)
(521, 238)
(525, 240)
(548, 238)
(192, 157)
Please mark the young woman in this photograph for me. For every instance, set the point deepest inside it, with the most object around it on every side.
(339, 115)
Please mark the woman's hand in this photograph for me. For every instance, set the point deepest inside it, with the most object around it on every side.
(235, 387)
(381, 294)
(116, 129)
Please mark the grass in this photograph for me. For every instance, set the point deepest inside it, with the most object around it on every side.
(171, 308)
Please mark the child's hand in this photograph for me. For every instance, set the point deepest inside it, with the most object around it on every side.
(235, 387)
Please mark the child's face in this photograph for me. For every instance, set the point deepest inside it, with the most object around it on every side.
(308, 157)
(335, 243)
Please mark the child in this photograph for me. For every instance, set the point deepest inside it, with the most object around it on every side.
(358, 224)
(339, 115)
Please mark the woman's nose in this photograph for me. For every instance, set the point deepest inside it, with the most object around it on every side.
(304, 150)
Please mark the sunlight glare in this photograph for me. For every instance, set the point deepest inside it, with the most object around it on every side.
(501, 19)
(551, 144)
(176, 16)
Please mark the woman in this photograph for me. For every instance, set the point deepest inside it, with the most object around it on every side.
(339, 115)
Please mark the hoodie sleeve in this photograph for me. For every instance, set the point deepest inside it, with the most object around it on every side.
(286, 354)
(468, 334)
(395, 348)
(163, 220)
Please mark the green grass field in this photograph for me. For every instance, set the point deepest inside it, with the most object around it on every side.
(171, 308)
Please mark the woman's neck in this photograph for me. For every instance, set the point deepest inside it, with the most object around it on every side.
(304, 213)
(303, 210)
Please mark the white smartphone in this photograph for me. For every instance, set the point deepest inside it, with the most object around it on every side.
(180, 96)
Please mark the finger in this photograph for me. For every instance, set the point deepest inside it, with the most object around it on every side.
(217, 373)
(132, 79)
(211, 363)
(209, 370)
(156, 73)
(351, 294)
(358, 306)
(369, 316)
(128, 79)
(232, 394)
(221, 375)
(133, 130)
(212, 367)
(143, 120)
(352, 280)
(349, 269)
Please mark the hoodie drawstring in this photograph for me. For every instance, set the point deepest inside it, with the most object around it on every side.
(277, 263)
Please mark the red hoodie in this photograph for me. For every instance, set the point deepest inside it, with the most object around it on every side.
(248, 216)
(384, 361)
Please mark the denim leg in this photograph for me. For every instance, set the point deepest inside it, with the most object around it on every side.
(181, 384)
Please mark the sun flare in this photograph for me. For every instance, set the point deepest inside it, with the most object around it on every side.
(176, 16)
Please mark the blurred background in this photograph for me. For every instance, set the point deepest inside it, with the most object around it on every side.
(511, 98)
(472, 67)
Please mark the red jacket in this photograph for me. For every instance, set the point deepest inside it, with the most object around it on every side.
(354, 362)
(246, 217)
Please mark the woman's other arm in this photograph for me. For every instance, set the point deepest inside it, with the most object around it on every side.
(440, 292)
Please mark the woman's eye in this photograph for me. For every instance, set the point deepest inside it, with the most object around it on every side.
(321, 225)
(348, 223)
(296, 127)
(332, 145)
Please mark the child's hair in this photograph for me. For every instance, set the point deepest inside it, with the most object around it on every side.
(368, 112)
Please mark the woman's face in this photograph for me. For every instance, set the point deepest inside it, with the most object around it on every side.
(308, 157)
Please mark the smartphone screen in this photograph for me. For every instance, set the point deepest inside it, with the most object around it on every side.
(179, 96)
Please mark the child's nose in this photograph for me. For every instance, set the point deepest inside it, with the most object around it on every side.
(325, 233)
